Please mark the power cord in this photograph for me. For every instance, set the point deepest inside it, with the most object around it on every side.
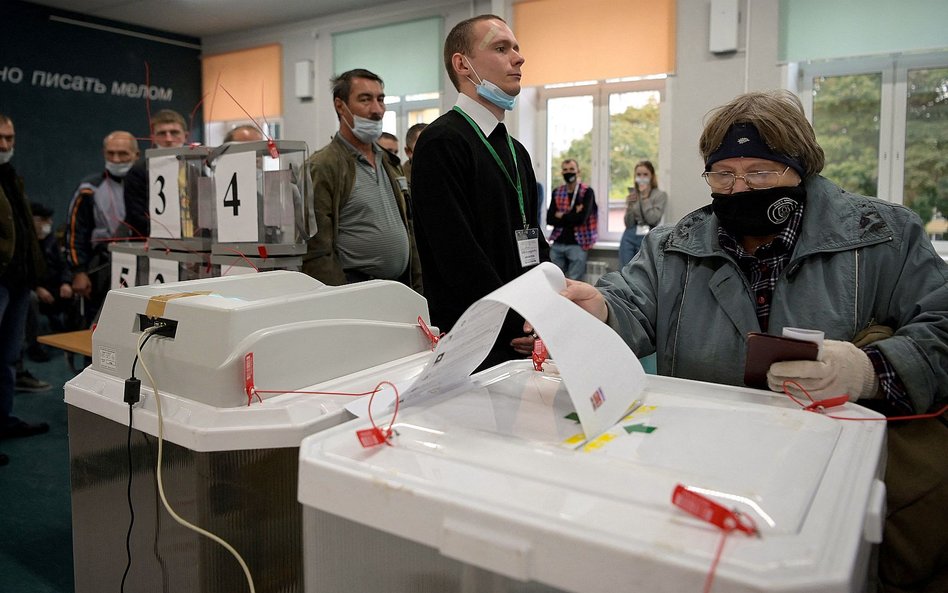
(132, 396)
(161, 488)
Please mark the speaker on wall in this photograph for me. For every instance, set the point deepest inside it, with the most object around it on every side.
(304, 79)
(723, 28)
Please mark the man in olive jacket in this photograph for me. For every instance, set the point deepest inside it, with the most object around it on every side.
(363, 214)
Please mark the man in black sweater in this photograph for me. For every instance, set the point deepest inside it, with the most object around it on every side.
(473, 186)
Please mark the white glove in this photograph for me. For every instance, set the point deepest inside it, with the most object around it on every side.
(842, 369)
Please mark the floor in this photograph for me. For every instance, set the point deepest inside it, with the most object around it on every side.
(35, 520)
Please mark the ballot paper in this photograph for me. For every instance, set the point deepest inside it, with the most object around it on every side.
(601, 374)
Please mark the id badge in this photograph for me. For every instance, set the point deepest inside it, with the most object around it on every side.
(642, 229)
(529, 246)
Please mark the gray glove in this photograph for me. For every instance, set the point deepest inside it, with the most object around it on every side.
(842, 369)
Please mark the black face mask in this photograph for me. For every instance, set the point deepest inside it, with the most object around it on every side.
(759, 212)
(569, 177)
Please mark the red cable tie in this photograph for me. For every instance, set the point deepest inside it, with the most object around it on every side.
(540, 353)
(428, 333)
(818, 406)
(248, 379)
(370, 437)
(821, 404)
(708, 510)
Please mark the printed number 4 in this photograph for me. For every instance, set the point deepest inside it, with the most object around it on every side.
(232, 202)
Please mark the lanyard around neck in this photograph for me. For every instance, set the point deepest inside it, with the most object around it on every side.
(517, 186)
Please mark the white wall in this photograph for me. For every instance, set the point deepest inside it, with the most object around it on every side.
(702, 80)
(313, 120)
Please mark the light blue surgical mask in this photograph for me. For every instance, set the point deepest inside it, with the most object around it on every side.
(6, 156)
(492, 92)
(365, 129)
(118, 169)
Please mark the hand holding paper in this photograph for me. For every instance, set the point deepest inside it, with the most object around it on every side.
(587, 297)
(603, 377)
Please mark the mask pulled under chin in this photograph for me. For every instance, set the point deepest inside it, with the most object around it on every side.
(117, 169)
(365, 129)
(757, 213)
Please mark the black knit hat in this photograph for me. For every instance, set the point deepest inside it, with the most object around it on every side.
(743, 140)
(41, 210)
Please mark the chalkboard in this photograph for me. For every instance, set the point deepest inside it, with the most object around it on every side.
(67, 80)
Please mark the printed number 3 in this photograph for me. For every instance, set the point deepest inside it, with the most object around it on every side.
(160, 180)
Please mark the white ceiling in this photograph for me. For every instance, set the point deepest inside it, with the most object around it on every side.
(199, 18)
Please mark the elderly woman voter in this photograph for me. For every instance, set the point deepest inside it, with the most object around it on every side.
(780, 246)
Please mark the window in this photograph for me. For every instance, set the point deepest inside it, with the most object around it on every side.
(404, 112)
(883, 124)
(607, 127)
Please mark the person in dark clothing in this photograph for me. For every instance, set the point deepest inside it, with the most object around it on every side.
(20, 265)
(572, 215)
(473, 185)
(168, 130)
(54, 296)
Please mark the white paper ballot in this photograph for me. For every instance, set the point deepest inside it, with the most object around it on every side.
(603, 377)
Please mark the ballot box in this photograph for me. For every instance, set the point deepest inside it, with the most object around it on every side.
(492, 486)
(180, 199)
(230, 448)
(129, 262)
(263, 199)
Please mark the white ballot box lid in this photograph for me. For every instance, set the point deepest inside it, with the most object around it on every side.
(497, 474)
(279, 421)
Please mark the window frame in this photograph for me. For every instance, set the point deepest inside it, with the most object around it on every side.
(598, 175)
(893, 110)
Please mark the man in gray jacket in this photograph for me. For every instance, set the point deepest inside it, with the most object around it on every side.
(780, 246)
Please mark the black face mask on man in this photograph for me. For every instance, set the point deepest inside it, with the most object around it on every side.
(569, 177)
(758, 212)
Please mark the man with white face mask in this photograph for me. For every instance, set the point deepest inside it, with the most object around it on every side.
(474, 186)
(362, 207)
(97, 216)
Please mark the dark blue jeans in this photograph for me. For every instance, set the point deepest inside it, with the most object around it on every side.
(14, 303)
(629, 246)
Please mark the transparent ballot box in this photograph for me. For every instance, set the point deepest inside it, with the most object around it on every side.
(166, 266)
(180, 198)
(492, 486)
(245, 264)
(262, 198)
(230, 463)
(129, 261)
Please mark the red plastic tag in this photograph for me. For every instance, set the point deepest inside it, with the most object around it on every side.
(707, 510)
(262, 251)
(428, 333)
(370, 437)
(820, 405)
(271, 145)
(248, 378)
(539, 354)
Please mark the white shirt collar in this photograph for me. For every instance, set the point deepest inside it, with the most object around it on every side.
(482, 116)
